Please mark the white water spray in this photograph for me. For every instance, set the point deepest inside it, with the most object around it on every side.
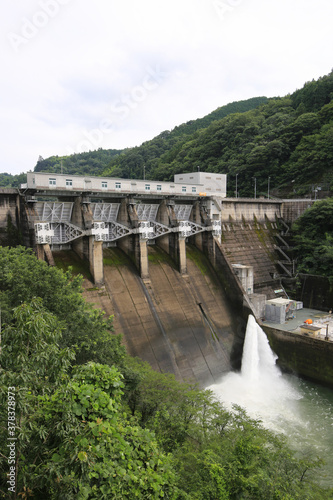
(258, 358)
(284, 403)
(259, 387)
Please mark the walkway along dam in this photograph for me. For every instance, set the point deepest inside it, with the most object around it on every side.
(179, 265)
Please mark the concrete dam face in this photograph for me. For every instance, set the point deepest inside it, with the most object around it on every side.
(182, 324)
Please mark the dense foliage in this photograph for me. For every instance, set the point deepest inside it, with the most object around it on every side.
(95, 162)
(73, 441)
(89, 163)
(23, 277)
(117, 429)
(12, 181)
(282, 143)
(313, 239)
(287, 141)
(131, 163)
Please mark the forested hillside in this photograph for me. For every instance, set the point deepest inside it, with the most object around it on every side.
(83, 420)
(313, 240)
(131, 163)
(90, 163)
(95, 162)
(286, 142)
(289, 140)
(12, 181)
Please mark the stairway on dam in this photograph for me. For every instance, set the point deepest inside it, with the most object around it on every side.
(179, 324)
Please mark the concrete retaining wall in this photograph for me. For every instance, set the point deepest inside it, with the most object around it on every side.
(247, 209)
(306, 356)
(292, 209)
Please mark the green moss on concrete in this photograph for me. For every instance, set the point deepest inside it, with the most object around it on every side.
(156, 255)
(266, 238)
(65, 259)
(115, 257)
(193, 254)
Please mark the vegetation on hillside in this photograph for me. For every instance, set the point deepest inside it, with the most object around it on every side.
(93, 423)
(286, 141)
(313, 239)
(95, 162)
(12, 181)
(90, 163)
(131, 163)
(284, 144)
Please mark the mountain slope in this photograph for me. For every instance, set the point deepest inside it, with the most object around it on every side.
(131, 163)
(287, 142)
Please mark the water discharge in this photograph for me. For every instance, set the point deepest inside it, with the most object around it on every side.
(284, 403)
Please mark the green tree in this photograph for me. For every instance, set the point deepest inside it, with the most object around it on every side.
(32, 364)
(92, 450)
(312, 233)
(23, 277)
(218, 454)
(73, 441)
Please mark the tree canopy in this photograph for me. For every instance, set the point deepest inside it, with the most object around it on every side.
(23, 278)
(313, 240)
(288, 140)
(117, 429)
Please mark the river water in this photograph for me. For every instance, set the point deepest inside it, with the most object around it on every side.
(301, 410)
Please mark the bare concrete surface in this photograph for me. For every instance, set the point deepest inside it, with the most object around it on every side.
(252, 244)
(160, 318)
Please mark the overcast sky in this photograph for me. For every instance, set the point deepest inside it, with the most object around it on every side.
(78, 75)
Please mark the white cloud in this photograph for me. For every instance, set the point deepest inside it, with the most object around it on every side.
(132, 69)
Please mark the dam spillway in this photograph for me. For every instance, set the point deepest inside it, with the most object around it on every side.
(163, 308)
(181, 324)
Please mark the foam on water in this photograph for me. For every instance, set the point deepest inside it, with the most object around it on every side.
(284, 403)
(260, 387)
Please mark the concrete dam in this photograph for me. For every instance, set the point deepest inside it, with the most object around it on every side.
(169, 266)
(179, 323)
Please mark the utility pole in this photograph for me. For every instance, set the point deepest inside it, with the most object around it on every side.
(236, 186)
(144, 172)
